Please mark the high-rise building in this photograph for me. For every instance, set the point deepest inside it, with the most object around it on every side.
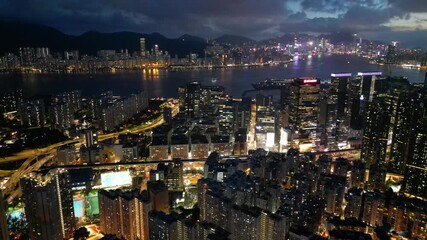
(91, 138)
(401, 108)
(242, 116)
(90, 154)
(10, 101)
(391, 56)
(156, 53)
(415, 182)
(389, 123)
(332, 188)
(354, 203)
(303, 106)
(211, 98)
(369, 85)
(66, 155)
(373, 208)
(358, 171)
(416, 167)
(377, 176)
(162, 226)
(48, 204)
(158, 195)
(173, 174)
(72, 55)
(339, 92)
(191, 99)
(199, 146)
(142, 47)
(265, 123)
(4, 234)
(375, 134)
(113, 113)
(32, 112)
(339, 82)
(74, 98)
(27, 56)
(61, 116)
(362, 91)
(124, 213)
(42, 53)
(241, 221)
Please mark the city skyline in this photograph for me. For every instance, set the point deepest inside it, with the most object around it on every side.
(317, 132)
(385, 20)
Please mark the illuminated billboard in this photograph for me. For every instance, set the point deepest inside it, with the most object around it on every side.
(340, 74)
(284, 135)
(308, 81)
(115, 179)
(369, 73)
(269, 143)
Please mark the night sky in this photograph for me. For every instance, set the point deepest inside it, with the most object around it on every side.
(400, 20)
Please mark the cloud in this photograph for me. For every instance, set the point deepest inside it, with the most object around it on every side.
(414, 6)
(207, 17)
(356, 19)
(335, 5)
(211, 18)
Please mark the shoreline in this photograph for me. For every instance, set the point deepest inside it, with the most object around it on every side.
(138, 69)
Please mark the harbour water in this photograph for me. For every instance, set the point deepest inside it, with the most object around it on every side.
(165, 83)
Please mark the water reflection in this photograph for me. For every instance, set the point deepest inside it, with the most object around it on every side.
(165, 83)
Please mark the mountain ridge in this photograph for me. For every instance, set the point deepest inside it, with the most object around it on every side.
(22, 34)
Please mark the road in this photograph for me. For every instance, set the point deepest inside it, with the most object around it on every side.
(47, 154)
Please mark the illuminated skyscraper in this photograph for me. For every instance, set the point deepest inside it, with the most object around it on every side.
(3, 224)
(362, 91)
(190, 99)
(27, 56)
(48, 204)
(142, 47)
(339, 84)
(416, 168)
(162, 226)
(401, 108)
(415, 182)
(373, 208)
(9, 101)
(375, 134)
(391, 57)
(158, 195)
(354, 203)
(124, 213)
(91, 138)
(173, 174)
(388, 127)
(32, 112)
(303, 106)
(61, 115)
(265, 123)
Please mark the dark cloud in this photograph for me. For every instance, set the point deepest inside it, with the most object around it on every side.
(356, 19)
(412, 38)
(416, 6)
(211, 18)
(207, 17)
(334, 5)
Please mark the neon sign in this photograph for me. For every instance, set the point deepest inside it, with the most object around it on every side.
(310, 81)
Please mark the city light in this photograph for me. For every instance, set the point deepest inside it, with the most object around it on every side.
(277, 134)
(341, 75)
(369, 73)
(310, 81)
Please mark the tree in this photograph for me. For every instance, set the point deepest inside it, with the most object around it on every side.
(81, 234)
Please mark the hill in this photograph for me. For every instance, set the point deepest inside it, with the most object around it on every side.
(20, 34)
